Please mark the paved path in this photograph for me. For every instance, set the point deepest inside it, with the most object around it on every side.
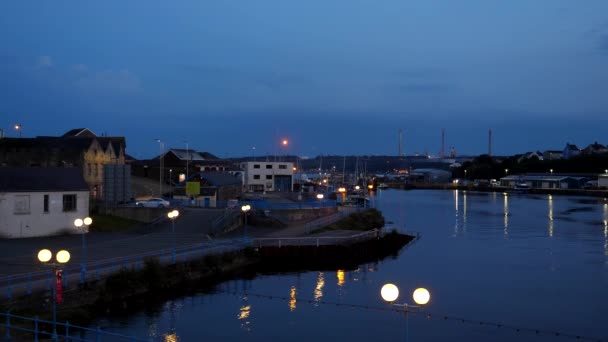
(18, 256)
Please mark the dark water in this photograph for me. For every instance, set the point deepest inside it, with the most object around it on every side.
(538, 262)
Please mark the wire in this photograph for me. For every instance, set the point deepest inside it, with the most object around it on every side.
(429, 315)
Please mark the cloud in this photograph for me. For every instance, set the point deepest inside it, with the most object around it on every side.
(44, 62)
(107, 80)
(78, 68)
(603, 43)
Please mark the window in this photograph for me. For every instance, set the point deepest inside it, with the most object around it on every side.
(256, 176)
(268, 176)
(282, 166)
(269, 166)
(46, 203)
(22, 204)
(256, 166)
(69, 202)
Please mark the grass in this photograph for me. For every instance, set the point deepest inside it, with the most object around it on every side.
(109, 223)
(362, 221)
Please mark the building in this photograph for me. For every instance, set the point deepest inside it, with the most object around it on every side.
(545, 181)
(570, 151)
(41, 201)
(602, 181)
(267, 176)
(176, 165)
(215, 189)
(552, 155)
(595, 148)
(79, 148)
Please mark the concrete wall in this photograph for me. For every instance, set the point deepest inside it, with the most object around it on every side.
(262, 170)
(22, 214)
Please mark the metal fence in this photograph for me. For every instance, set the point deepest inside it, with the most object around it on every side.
(25, 284)
(19, 328)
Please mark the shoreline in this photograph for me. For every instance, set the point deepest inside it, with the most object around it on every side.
(501, 189)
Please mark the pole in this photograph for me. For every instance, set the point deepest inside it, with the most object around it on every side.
(173, 240)
(55, 304)
(83, 265)
(187, 158)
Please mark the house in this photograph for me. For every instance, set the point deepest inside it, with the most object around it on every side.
(76, 148)
(595, 148)
(267, 176)
(530, 155)
(552, 155)
(570, 151)
(41, 201)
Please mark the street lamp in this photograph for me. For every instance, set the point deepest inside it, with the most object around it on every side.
(551, 170)
(245, 209)
(173, 215)
(62, 257)
(170, 179)
(465, 174)
(18, 128)
(160, 168)
(506, 171)
(421, 296)
(85, 229)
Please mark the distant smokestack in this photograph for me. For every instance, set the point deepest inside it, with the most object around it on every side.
(442, 142)
(400, 142)
(490, 142)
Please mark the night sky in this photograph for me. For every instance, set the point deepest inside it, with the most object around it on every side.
(333, 76)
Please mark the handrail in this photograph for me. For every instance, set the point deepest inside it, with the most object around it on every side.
(66, 327)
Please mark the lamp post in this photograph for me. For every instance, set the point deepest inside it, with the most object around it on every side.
(245, 209)
(62, 257)
(320, 198)
(465, 174)
(551, 171)
(160, 168)
(506, 172)
(421, 296)
(173, 215)
(18, 128)
(85, 229)
(170, 179)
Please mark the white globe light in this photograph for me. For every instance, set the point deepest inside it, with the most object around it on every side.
(63, 256)
(88, 221)
(421, 296)
(44, 255)
(78, 223)
(175, 213)
(389, 292)
(170, 214)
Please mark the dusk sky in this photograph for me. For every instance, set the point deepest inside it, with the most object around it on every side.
(334, 76)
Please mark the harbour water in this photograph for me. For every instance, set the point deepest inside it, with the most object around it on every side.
(499, 267)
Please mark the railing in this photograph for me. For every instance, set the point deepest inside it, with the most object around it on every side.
(26, 283)
(321, 240)
(20, 328)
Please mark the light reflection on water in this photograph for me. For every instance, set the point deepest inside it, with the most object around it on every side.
(554, 261)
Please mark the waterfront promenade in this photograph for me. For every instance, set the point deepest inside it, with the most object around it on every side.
(193, 233)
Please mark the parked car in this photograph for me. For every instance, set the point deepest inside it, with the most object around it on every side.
(153, 203)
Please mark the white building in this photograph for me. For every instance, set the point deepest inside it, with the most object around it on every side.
(267, 176)
(41, 201)
(602, 181)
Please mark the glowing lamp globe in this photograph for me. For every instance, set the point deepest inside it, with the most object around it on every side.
(44, 255)
(170, 214)
(63, 256)
(78, 223)
(88, 221)
(421, 296)
(175, 213)
(389, 292)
